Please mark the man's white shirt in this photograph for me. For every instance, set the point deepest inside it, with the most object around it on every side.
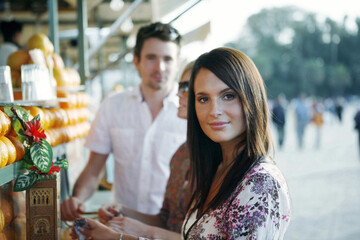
(142, 148)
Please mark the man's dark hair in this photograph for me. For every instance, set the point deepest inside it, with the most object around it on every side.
(9, 29)
(158, 30)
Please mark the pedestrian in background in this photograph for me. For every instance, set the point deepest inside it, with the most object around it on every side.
(318, 120)
(339, 108)
(302, 119)
(278, 118)
(357, 126)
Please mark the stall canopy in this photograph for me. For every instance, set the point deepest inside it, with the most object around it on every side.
(109, 26)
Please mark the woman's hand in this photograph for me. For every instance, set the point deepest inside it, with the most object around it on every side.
(97, 231)
(130, 226)
(107, 212)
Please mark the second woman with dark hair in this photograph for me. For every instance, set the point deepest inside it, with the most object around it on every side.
(240, 193)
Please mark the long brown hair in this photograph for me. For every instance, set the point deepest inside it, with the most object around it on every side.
(239, 72)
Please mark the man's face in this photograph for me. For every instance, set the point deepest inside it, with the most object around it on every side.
(158, 63)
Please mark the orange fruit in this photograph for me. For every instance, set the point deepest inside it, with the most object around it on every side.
(45, 123)
(72, 115)
(2, 221)
(19, 147)
(58, 61)
(73, 100)
(5, 121)
(55, 137)
(11, 150)
(49, 136)
(64, 119)
(65, 95)
(61, 76)
(18, 58)
(85, 99)
(4, 155)
(34, 111)
(51, 117)
(84, 114)
(42, 42)
(74, 77)
(56, 117)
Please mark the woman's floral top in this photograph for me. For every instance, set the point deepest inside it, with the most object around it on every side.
(259, 208)
(178, 192)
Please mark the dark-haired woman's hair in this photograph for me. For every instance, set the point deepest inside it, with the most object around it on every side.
(164, 32)
(238, 72)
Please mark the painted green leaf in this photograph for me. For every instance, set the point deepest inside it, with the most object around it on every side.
(63, 163)
(7, 110)
(22, 113)
(41, 154)
(27, 158)
(37, 117)
(16, 124)
(24, 182)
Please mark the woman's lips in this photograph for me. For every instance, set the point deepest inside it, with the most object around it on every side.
(218, 125)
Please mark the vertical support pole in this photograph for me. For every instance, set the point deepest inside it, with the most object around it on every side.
(82, 40)
(54, 24)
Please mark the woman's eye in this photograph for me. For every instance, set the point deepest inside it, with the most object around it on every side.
(229, 96)
(202, 99)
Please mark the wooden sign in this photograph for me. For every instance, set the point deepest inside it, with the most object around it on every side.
(42, 209)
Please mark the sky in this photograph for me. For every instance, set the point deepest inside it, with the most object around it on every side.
(228, 16)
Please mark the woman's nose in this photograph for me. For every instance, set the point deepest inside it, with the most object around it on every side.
(216, 109)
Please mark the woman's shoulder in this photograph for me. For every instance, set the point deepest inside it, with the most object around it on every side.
(261, 203)
(264, 180)
(265, 171)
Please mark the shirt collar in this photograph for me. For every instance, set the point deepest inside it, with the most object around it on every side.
(170, 99)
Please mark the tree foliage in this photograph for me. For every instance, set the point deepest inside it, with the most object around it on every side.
(298, 52)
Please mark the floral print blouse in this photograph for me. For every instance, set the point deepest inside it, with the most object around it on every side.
(178, 192)
(259, 208)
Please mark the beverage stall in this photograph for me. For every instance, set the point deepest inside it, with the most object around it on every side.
(43, 111)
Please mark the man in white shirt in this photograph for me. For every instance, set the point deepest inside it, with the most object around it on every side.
(11, 32)
(140, 127)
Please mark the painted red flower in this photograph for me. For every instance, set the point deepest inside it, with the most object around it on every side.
(34, 129)
(52, 169)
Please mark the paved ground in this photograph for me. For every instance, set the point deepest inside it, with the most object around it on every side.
(324, 183)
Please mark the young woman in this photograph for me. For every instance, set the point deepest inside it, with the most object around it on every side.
(239, 191)
(167, 223)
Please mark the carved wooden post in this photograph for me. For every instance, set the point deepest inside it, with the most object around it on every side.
(42, 209)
